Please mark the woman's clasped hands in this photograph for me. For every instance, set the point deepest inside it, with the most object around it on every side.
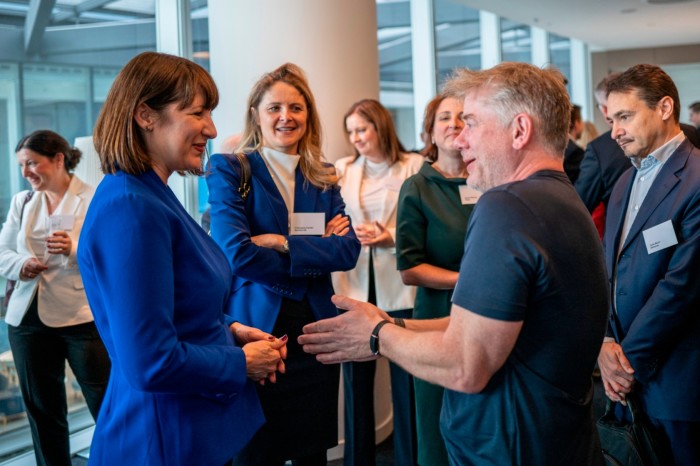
(374, 234)
(264, 354)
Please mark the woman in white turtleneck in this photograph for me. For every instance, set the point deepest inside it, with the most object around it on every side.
(283, 239)
(370, 183)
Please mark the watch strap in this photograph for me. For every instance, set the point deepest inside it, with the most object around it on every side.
(374, 337)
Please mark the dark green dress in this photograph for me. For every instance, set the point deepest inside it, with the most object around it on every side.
(431, 226)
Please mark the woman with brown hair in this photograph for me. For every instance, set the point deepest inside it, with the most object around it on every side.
(283, 237)
(370, 183)
(434, 209)
(49, 321)
(182, 385)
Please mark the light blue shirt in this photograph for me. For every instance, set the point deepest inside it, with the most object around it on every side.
(647, 170)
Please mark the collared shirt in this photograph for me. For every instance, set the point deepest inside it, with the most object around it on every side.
(647, 170)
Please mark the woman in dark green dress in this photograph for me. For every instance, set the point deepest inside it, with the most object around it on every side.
(433, 211)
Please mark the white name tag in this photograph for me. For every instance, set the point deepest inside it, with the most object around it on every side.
(308, 223)
(393, 184)
(61, 222)
(660, 237)
(468, 195)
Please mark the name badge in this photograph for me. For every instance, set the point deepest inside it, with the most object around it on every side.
(308, 224)
(468, 195)
(393, 184)
(61, 222)
(660, 237)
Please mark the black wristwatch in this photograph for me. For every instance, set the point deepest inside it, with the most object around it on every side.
(374, 338)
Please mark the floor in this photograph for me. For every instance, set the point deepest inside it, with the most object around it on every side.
(385, 456)
(385, 450)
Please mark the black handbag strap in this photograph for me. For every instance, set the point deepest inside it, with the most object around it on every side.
(24, 203)
(632, 407)
(244, 163)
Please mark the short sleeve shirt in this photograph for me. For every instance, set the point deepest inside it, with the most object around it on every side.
(532, 255)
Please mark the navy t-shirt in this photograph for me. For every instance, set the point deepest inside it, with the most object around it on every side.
(532, 255)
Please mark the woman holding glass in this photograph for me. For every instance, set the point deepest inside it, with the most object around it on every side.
(434, 209)
(49, 321)
(370, 183)
(283, 237)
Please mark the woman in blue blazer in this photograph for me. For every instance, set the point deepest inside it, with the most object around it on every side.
(181, 390)
(283, 239)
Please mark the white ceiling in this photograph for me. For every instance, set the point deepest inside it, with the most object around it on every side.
(606, 24)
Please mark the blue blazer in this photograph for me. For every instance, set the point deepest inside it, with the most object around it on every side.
(263, 276)
(603, 163)
(158, 285)
(657, 295)
(601, 167)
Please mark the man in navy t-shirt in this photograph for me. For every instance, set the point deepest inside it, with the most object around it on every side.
(530, 307)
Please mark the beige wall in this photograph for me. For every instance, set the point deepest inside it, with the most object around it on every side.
(603, 63)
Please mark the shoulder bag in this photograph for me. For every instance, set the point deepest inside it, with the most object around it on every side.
(633, 443)
(10, 285)
(628, 443)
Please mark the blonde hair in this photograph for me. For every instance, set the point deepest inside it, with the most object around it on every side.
(311, 163)
(154, 79)
(520, 87)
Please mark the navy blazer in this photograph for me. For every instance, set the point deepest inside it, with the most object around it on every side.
(657, 296)
(178, 392)
(263, 276)
(602, 165)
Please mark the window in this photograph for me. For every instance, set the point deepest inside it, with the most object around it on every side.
(515, 41)
(59, 85)
(457, 38)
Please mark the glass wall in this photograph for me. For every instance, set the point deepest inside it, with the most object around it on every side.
(457, 38)
(60, 86)
(516, 44)
(396, 65)
(560, 55)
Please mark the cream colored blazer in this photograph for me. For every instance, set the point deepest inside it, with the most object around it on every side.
(62, 300)
(392, 294)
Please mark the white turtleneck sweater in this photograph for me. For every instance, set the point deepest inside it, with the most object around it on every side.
(282, 168)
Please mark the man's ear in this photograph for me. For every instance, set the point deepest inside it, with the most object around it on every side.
(665, 105)
(145, 117)
(521, 130)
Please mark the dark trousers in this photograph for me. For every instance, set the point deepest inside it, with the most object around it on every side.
(40, 355)
(682, 440)
(301, 409)
(359, 412)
